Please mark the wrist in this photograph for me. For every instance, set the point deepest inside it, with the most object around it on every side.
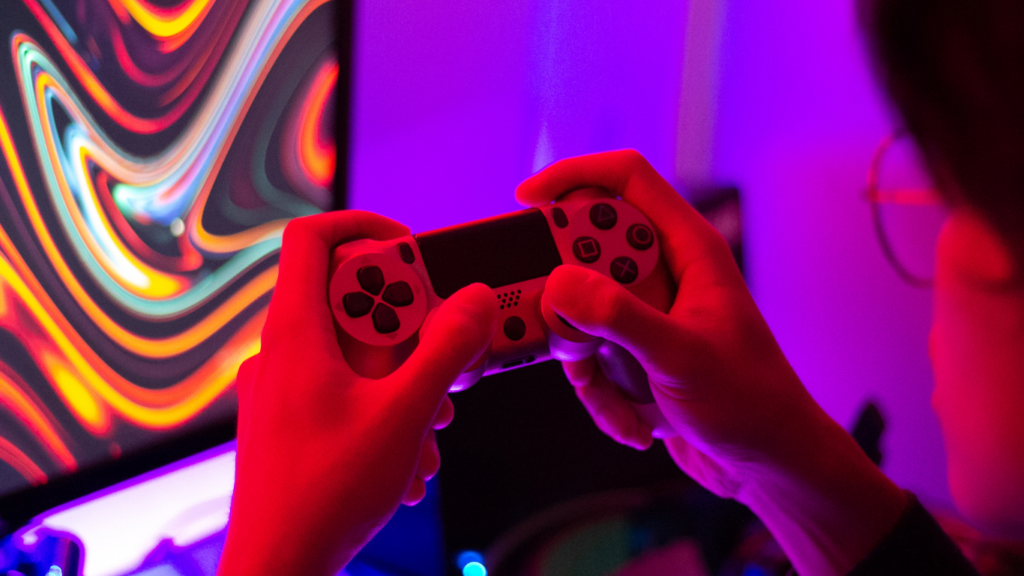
(266, 535)
(271, 549)
(821, 497)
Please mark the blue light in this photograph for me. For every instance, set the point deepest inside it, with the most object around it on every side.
(471, 563)
(65, 29)
(468, 557)
(754, 570)
(55, 571)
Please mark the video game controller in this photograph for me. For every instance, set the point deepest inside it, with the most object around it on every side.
(381, 292)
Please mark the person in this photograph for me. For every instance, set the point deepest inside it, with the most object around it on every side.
(325, 457)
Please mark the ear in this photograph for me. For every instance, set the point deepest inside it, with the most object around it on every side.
(970, 250)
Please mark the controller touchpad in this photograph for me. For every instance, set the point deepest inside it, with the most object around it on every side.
(497, 252)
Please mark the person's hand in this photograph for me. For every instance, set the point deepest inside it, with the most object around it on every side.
(715, 368)
(325, 456)
(747, 427)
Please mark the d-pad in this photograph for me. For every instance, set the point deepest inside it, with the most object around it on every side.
(358, 304)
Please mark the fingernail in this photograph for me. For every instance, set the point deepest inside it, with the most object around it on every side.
(571, 273)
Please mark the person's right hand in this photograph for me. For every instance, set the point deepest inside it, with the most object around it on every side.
(715, 368)
(747, 427)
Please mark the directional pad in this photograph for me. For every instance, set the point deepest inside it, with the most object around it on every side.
(357, 304)
(385, 320)
(377, 298)
(371, 279)
(398, 294)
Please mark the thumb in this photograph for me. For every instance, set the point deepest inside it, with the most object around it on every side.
(599, 306)
(458, 333)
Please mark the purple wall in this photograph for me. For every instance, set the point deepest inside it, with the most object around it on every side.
(456, 102)
(799, 116)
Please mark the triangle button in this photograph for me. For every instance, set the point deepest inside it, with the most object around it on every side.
(603, 216)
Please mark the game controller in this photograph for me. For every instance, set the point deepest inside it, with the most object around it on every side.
(382, 292)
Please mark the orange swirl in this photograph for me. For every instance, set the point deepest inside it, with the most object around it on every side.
(316, 157)
(234, 242)
(28, 411)
(159, 285)
(166, 23)
(21, 463)
(148, 347)
(94, 87)
(91, 388)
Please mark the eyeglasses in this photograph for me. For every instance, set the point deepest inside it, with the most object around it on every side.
(906, 211)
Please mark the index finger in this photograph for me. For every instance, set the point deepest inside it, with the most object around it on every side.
(300, 297)
(687, 239)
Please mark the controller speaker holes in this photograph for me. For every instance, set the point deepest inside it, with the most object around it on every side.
(509, 299)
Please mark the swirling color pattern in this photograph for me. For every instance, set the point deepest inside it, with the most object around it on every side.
(151, 154)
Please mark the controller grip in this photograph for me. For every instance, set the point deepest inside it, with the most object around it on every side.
(626, 372)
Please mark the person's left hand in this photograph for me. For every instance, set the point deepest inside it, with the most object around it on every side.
(324, 455)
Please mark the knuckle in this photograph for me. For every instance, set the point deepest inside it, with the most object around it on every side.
(609, 302)
(282, 331)
(296, 228)
(716, 243)
(634, 159)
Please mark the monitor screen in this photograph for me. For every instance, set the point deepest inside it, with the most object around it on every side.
(151, 154)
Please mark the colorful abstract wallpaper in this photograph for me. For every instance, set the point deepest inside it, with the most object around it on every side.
(151, 153)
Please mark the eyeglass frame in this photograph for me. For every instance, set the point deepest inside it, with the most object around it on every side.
(905, 196)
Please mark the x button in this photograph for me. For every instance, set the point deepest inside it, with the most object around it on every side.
(624, 270)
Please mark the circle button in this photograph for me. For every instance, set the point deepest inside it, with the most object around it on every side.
(640, 237)
(515, 328)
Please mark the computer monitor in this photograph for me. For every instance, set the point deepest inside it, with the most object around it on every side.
(150, 157)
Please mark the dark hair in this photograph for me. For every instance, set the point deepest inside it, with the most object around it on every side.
(955, 71)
